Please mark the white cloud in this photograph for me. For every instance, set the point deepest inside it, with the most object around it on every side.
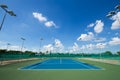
(93, 46)
(43, 19)
(75, 47)
(39, 16)
(83, 47)
(101, 45)
(50, 24)
(14, 47)
(116, 23)
(48, 47)
(58, 46)
(115, 41)
(90, 46)
(91, 25)
(100, 39)
(99, 26)
(58, 43)
(86, 37)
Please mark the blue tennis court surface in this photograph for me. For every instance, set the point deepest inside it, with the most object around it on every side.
(60, 64)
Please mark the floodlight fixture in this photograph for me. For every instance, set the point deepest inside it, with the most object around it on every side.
(3, 6)
(10, 12)
(112, 13)
(117, 7)
(22, 38)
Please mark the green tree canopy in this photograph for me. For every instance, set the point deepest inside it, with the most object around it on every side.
(118, 52)
(107, 53)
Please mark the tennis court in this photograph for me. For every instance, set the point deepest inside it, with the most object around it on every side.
(11, 72)
(60, 64)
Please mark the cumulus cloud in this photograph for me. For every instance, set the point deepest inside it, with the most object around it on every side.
(115, 41)
(98, 26)
(49, 24)
(58, 46)
(48, 47)
(91, 25)
(43, 19)
(74, 49)
(58, 43)
(39, 16)
(86, 37)
(116, 23)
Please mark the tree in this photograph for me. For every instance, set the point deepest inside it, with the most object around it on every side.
(2, 51)
(30, 53)
(14, 52)
(108, 53)
(118, 52)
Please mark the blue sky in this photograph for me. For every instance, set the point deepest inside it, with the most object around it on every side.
(64, 25)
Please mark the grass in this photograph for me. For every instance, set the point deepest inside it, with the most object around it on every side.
(10, 72)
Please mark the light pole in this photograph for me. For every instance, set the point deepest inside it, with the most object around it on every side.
(112, 13)
(5, 8)
(101, 51)
(7, 46)
(24, 49)
(41, 39)
(82, 52)
(23, 39)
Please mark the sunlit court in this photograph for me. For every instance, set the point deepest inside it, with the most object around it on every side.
(59, 40)
(60, 64)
